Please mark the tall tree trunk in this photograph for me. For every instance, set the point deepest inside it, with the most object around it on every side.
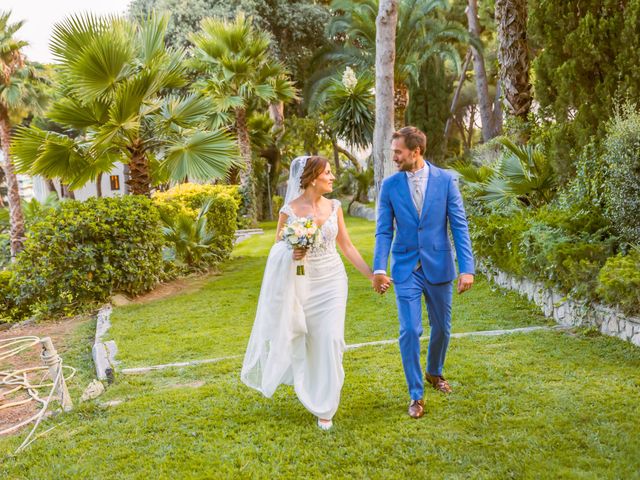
(67, 192)
(354, 161)
(454, 101)
(385, 58)
(139, 179)
(336, 154)
(400, 104)
(482, 84)
(497, 109)
(247, 186)
(513, 56)
(273, 153)
(1, 182)
(16, 217)
(51, 187)
(276, 113)
(99, 185)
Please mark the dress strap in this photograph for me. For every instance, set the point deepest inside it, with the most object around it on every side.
(287, 210)
(336, 205)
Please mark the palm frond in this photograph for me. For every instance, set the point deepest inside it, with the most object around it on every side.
(202, 156)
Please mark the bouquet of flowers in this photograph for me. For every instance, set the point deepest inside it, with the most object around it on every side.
(300, 233)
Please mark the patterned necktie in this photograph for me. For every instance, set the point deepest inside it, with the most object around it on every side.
(416, 191)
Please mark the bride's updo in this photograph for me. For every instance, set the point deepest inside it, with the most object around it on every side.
(312, 169)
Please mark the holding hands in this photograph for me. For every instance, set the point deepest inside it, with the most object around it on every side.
(380, 283)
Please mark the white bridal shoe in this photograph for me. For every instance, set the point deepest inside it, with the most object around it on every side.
(325, 424)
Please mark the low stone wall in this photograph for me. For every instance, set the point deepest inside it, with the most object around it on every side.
(567, 311)
(362, 211)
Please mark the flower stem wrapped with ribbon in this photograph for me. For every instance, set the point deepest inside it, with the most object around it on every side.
(300, 233)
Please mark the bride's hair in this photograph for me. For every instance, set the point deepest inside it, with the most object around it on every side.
(313, 169)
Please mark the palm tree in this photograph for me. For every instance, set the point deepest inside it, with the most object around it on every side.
(19, 96)
(116, 79)
(420, 35)
(241, 77)
(349, 108)
(522, 177)
(513, 56)
(190, 240)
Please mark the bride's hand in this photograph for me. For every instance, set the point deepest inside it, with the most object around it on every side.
(299, 253)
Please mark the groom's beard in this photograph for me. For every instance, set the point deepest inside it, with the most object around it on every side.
(405, 166)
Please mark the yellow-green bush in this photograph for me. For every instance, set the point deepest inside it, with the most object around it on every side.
(222, 217)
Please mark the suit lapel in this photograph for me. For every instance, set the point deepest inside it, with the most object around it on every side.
(432, 185)
(405, 195)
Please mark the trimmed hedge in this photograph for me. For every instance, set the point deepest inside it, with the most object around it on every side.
(568, 249)
(619, 282)
(222, 217)
(622, 182)
(83, 252)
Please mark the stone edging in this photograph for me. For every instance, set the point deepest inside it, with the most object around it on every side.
(567, 311)
(104, 353)
(362, 211)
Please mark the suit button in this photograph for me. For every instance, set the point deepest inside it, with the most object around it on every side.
(420, 229)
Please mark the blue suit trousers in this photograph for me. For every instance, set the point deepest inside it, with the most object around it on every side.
(438, 298)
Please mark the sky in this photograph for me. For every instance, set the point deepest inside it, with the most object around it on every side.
(41, 15)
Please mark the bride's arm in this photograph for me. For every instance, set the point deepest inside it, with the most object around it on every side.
(282, 219)
(349, 250)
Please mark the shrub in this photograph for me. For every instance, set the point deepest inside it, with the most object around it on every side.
(277, 202)
(222, 217)
(498, 238)
(5, 251)
(622, 187)
(83, 252)
(619, 281)
(6, 296)
(190, 240)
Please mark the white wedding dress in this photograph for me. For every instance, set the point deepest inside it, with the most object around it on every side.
(298, 333)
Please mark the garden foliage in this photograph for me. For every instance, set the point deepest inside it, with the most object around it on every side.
(82, 253)
(222, 215)
(582, 241)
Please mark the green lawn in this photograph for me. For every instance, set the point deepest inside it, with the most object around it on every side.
(546, 404)
(216, 320)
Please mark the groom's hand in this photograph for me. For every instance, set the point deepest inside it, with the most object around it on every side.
(380, 283)
(465, 281)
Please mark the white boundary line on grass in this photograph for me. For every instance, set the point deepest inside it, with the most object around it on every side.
(482, 333)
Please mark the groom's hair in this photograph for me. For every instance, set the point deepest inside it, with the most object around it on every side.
(413, 138)
(312, 169)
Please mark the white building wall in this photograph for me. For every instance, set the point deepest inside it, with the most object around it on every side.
(89, 190)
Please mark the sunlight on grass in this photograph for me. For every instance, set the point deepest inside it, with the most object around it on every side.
(524, 406)
(216, 320)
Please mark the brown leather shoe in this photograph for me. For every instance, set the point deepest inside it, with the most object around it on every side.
(438, 382)
(416, 408)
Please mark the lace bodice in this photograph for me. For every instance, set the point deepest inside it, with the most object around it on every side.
(326, 244)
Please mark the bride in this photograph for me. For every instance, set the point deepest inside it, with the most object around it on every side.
(298, 333)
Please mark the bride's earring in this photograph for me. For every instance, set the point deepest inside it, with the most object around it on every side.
(313, 184)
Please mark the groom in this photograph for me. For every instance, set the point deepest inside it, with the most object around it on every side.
(417, 203)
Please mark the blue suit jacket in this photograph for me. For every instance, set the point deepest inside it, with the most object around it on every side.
(422, 237)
